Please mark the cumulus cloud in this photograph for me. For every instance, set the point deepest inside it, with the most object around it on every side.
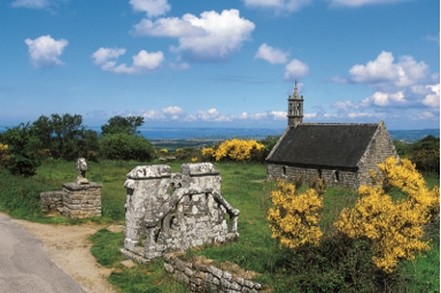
(174, 112)
(296, 69)
(271, 55)
(431, 97)
(32, 4)
(398, 83)
(210, 115)
(143, 61)
(152, 8)
(45, 51)
(383, 99)
(359, 3)
(210, 37)
(278, 5)
(385, 71)
(170, 113)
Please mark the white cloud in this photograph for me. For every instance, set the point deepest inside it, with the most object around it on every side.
(174, 112)
(278, 5)
(212, 36)
(384, 71)
(45, 51)
(431, 99)
(210, 115)
(33, 4)
(359, 3)
(152, 8)
(382, 99)
(142, 62)
(269, 115)
(170, 113)
(402, 85)
(272, 55)
(425, 115)
(296, 69)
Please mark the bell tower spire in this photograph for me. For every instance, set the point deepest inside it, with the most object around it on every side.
(295, 107)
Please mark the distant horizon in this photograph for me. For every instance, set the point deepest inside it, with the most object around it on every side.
(218, 126)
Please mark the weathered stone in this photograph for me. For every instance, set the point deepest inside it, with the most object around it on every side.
(176, 211)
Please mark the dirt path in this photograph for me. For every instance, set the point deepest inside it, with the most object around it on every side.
(69, 247)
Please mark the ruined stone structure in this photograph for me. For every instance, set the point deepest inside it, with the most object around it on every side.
(77, 200)
(174, 211)
(339, 154)
(202, 276)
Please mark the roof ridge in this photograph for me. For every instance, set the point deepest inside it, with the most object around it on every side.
(336, 124)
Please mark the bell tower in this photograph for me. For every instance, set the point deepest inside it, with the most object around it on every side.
(295, 107)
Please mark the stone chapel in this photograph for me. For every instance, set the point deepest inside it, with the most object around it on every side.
(338, 153)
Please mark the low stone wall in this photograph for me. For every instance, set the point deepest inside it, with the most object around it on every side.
(202, 276)
(51, 201)
(76, 201)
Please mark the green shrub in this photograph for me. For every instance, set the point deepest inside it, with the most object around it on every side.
(123, 146)
(23, 158)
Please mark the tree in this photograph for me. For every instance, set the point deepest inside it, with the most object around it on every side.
(425, 154)
(119, 124)
(22, 157)
(123, 146)
(64, 136)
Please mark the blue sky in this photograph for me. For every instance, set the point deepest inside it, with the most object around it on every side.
(221, 63)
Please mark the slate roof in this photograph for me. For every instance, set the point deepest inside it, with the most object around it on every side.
(323, 145)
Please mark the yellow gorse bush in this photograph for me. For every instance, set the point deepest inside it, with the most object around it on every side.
(395, 227)
(294, 218)
(234, 149)
(4, 153)
(3, 148)
(163, 151)
(208, 152)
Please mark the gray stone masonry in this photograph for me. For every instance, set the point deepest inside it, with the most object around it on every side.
(51, 201)
(168, 212)
(202, 276)
(81, 200)
(76, 201)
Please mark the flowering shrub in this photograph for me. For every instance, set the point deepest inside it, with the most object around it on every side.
(4, 153)
(294, 217)
(163, 152)
(395, 227)
(234, 149)
(208, 153)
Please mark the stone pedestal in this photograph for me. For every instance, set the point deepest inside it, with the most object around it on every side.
(82, 200)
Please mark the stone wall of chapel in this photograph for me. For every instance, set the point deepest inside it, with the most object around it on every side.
(332, 177)
(380, 148)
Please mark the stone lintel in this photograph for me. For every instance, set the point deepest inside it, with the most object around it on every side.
(150, 172)
(199, 169)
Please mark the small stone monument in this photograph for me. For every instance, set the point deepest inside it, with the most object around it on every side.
(168, 212)
(79, 199)
(81, 169)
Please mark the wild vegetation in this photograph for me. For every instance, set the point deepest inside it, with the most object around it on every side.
(336, 261)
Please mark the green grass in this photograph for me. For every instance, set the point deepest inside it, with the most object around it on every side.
(245, 187)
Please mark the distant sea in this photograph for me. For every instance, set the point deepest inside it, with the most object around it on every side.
(201, 133)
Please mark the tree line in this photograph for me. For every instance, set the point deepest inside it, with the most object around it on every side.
(23, 147)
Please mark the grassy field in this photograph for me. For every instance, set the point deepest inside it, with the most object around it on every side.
(245, 187)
